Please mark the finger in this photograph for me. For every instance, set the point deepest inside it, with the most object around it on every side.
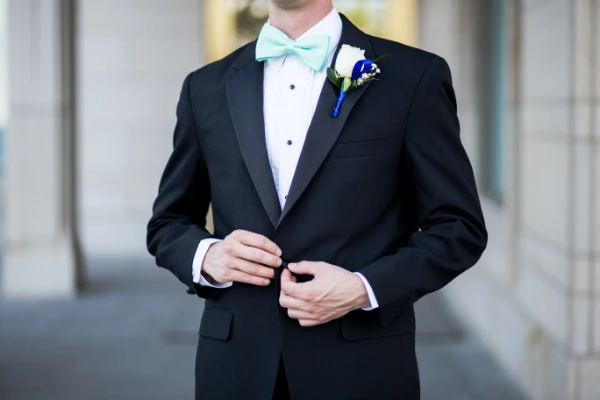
(291, 302)
(310, 322)
(299, 290)
(305, 267)
(299, 314)
(259, 241)
(289, 286)
(286, 275)
(239, 276)
(252, 268)
(256, 255)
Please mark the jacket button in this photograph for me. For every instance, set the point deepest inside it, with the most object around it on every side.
(190, 291)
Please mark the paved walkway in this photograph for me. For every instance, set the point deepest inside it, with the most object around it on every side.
(132, 335)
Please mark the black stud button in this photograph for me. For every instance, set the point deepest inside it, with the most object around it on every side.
(289, 142)
(292, 87)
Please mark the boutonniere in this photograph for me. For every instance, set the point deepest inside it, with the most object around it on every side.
(352, 70)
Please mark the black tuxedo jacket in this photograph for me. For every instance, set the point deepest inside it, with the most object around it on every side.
(385, 189)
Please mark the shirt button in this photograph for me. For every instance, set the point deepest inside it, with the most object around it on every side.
(289, 142)
(286, 196)
(292, 87)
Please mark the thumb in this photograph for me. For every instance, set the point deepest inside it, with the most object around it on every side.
(304, 268)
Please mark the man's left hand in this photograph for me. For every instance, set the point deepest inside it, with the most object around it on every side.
(331, 294)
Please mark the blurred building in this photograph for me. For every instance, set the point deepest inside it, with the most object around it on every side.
(91, 108)
(526, 73)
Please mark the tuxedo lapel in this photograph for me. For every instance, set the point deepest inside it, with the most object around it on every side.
(245, 100)
(325, 129)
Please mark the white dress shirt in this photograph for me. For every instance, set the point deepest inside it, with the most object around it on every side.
(291, 93)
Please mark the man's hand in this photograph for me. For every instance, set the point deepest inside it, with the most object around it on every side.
(333, 293)
(242, 256)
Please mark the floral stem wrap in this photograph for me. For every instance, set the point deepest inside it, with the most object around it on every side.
(336, 110)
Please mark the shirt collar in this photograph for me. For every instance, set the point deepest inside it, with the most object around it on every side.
(331, 26)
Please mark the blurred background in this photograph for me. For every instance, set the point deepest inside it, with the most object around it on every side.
(88, 90)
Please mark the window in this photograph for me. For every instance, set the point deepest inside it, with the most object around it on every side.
(493, 94)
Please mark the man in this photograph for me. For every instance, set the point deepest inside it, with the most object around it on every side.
(327, 229)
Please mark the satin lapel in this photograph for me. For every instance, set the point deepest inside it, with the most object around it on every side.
(245, 100)
(324, 129)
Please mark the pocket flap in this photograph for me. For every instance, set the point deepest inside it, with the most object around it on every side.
(216, 323)
(365, 325)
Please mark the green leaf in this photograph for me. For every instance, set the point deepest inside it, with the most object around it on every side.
(381, 58)
(333, 77)
(346, 84)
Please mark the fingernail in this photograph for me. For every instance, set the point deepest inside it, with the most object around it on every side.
(292, 265)
(278, 252)
(267, 281)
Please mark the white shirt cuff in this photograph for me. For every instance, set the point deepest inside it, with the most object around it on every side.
(370, 293)
(201, 251)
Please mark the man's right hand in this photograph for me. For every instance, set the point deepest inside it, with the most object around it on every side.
(242, 256)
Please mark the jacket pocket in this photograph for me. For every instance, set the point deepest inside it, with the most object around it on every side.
(360, 325)
(216, 323)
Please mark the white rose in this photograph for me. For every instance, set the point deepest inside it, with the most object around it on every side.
(347, 58)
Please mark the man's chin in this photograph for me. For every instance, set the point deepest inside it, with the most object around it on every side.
(290, 4)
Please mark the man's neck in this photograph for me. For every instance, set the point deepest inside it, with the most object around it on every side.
(294, 23)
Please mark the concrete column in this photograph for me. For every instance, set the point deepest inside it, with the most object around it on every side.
(132, 57)
(41, 254)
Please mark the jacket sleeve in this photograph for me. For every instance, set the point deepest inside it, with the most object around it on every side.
(179, 213)
(452, 234)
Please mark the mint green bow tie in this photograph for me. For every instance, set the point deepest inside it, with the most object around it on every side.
(311, 50)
